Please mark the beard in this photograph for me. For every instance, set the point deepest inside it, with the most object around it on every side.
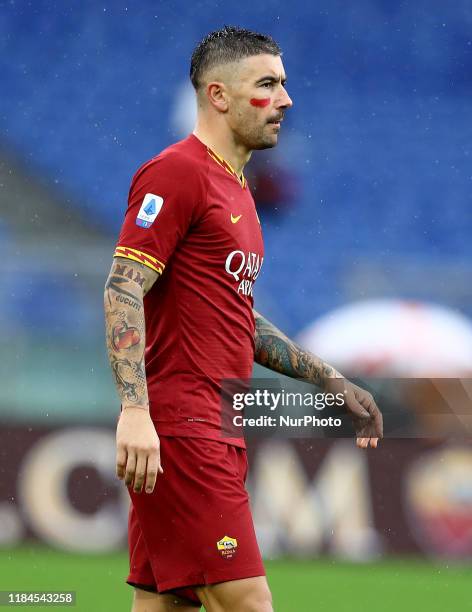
(257, 137)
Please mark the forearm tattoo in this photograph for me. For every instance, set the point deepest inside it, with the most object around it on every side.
(277, 352)
(125, 329)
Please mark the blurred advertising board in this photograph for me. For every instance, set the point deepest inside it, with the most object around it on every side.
(309, 496)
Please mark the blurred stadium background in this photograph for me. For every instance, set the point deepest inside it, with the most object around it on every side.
(367, 217)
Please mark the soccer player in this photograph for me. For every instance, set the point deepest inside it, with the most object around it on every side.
(180, 319)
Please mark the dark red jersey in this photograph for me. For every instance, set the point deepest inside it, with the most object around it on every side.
(191, 218)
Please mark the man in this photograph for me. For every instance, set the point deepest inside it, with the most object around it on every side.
(178, 306)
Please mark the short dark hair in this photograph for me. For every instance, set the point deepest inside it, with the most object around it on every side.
(228, 45)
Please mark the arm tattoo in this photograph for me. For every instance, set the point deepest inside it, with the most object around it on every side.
(116, 283)
(126, 379)
(125, 328)
(277, 352)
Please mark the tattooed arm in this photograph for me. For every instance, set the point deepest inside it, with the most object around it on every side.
(276, 351)
(138, 457)
(126, 286)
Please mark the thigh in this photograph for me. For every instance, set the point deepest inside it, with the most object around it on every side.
(197, 525)
(144, 601)
(247, 595)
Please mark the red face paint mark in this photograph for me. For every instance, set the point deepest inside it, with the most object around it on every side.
(260, 102)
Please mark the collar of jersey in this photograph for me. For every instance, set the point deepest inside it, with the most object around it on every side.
(227, 166)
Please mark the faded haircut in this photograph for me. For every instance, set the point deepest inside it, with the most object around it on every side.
(230, 44)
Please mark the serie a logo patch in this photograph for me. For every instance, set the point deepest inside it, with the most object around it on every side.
(149, 210)
(227, 547)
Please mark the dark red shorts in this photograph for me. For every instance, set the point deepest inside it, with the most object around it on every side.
(196, 527)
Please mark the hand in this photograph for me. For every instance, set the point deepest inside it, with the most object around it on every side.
(138, 456)
(366, 416)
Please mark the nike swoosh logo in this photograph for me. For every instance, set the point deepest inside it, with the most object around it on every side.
(235, 219)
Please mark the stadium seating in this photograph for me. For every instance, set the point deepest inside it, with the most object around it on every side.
(379, 135)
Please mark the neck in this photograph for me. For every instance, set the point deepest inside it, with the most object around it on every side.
(221, 140)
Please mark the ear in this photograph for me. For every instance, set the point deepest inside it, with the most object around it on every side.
(217, 96)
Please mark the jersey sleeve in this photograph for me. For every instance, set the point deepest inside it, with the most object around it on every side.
(165, 199)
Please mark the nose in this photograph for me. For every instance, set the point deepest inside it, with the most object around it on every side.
(285, 100)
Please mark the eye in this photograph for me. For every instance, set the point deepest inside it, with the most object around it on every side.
(267, 85)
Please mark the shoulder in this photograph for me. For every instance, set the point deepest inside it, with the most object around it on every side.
(184, 160)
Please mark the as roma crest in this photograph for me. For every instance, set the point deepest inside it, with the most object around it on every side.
(227, 547)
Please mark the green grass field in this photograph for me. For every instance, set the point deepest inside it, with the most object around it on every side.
(297, 586)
